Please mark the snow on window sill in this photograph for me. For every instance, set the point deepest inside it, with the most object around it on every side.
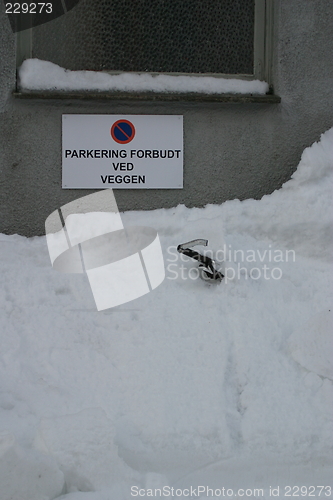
(43, 79)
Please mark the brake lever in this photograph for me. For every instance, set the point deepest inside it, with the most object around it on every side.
(204, 260)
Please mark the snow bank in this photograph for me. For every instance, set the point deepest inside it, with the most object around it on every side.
(312, 344)
(85, 496)
(298, 216)
(25, 474)
(35, 74)
(83, 445)
(150, 392)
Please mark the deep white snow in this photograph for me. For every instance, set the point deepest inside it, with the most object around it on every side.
(192, 384)
(35, 74)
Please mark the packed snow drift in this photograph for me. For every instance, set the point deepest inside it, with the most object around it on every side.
(35, 74)
(192, 385)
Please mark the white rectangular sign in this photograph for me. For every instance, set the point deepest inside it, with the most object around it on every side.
(122, 151)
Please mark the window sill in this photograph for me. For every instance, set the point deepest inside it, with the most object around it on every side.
(150, 96)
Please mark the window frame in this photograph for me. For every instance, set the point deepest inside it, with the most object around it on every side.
(262, 48)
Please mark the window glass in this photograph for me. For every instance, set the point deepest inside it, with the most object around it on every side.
(185, 36)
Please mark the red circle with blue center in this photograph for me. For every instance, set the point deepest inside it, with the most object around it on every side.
(123, 131)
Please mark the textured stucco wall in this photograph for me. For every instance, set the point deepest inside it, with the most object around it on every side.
(231, 150)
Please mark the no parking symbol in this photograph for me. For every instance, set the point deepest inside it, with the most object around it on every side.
(123, 131)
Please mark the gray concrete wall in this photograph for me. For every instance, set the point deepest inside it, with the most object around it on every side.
(231, 150)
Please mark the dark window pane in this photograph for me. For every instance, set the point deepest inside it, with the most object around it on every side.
(187, 36)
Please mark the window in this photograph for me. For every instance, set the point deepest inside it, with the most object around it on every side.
(216, 37)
